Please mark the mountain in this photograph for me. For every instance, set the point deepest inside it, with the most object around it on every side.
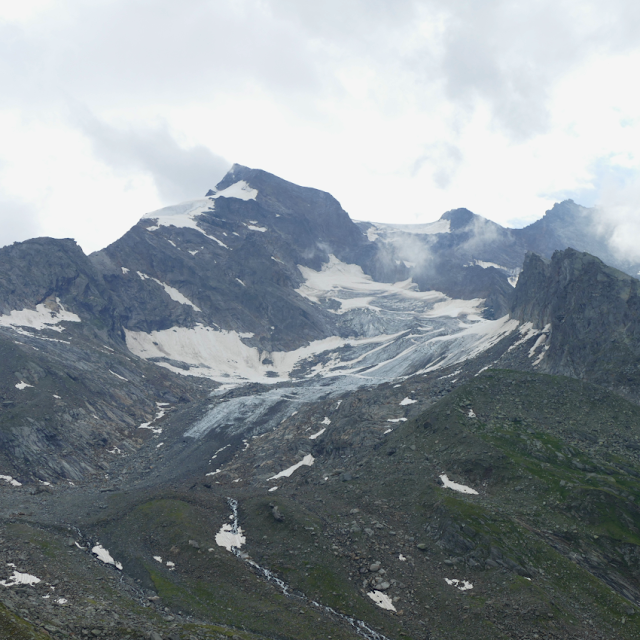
(253, 417)
(590, 315)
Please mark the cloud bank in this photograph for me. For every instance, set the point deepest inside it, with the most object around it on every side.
(402, 109)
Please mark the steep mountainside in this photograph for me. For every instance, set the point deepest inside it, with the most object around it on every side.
(252, 417)
(591, 314)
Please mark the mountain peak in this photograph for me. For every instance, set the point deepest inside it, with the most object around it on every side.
(459, 218)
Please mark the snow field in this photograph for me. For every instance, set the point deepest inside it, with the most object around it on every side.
(45, 316)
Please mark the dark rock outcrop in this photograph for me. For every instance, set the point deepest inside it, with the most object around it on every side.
(593, 312)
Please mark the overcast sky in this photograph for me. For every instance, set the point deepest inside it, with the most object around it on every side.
(401, 109)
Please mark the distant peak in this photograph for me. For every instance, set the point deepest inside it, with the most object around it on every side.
(236, 173)
(459, 218)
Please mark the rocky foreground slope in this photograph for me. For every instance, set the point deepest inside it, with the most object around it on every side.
(252, 417)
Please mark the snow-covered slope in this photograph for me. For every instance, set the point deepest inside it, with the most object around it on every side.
(383, 331)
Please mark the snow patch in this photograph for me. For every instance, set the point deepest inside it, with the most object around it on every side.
(462, 585)
(307, 461)
(526, 331)
(316, 435)
(486, 265)
(183, 216)
(542, 341)
(253, 227)
(104, 556)
(326, 421)
(407, 401)
(382, 600)
(240, 190)
(230, 537)
(117, 376)
(11, 481)
(44, 316)
(20, 578)
(23, 385)
(159, 414)
(455, 486)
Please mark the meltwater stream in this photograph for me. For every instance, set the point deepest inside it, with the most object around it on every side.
(233, 538)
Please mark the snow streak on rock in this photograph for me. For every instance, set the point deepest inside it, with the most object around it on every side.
(307, 461)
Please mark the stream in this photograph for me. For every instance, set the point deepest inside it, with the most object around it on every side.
(360, 627)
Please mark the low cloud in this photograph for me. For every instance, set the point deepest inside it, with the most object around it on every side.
(617, 219)
(179, 173)
(444, 159)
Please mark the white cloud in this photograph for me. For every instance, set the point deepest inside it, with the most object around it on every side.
(401, 109)
(618, 218)
(178, 173)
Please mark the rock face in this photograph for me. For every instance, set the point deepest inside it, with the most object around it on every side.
(41, 270)
(592, 313)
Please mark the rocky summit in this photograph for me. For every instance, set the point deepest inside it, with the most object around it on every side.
(254, 417)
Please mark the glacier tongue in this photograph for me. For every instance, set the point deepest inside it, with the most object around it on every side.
(399, 332)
